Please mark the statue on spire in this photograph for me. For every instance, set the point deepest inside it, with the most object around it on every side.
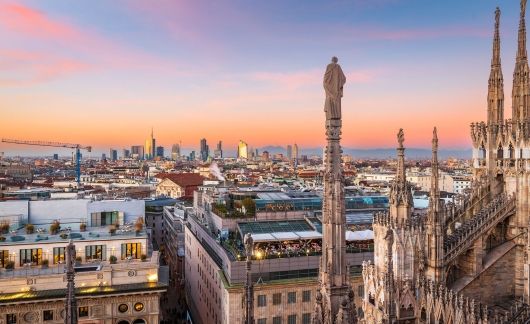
(401, 137)
(434, 140)
(334, 81)
(523, 7)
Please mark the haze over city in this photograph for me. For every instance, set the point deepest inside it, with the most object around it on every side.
(103, 73)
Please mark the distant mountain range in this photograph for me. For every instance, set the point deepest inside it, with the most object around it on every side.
(382, 153)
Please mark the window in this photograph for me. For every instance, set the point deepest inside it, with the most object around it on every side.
(291, 297)
(360, 291)
(11, 319)
(277, 299)
(262, 300)
(47, 315)
(306, 296)
(31, 256)
(83, 311)
(105, 218)
(4, 257)
(95, 252)
(138, 307)
(58, 255)
(262, 321)
(277, 320)
(131, 250)
(291, 319)
(306, 318)
(123, 308)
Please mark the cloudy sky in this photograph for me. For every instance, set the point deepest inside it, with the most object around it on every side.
(102, 73)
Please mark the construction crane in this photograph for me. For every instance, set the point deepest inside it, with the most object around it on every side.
(77, 148)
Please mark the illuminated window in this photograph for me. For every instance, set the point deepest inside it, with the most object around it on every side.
(131, 250)
(58, 255)
(30, 256)
(138, 307)
(4, 257)
(95, 252)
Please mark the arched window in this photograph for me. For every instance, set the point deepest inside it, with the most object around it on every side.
(500, 153)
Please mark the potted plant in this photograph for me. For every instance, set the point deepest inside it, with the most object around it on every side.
(82, 227)
(143, 257)
(4, 228)
(112, 230)
(45, 263)
(139, 225)
(10, 265)
(64, 236)
(113, 259)
(30, 228)
(78, 260)
(55, 227)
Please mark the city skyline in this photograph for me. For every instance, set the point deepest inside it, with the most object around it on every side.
(121, 66)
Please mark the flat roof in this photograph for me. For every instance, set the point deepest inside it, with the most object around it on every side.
(264, 227)
(81, 292)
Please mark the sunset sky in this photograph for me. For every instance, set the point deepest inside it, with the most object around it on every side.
(102, 73)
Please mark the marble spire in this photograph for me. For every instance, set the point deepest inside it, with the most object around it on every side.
(496, 80)
(335, 297)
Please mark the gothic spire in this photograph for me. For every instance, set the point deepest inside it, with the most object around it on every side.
(496, 80)
(400, 191)
(521, 42)
(496, 57)
(435, 189)
(521, 87)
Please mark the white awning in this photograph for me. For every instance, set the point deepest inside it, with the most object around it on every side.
(285, 236)
(309, 235)
(359, 235)
(265, 237)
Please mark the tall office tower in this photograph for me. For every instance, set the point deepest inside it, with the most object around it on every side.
(242, 150)
(192, 156)
(150, 146)
(126, 153)
(56, 156)
(218, 153)
(160, 151)
(289, 152)
(175, 152)
(205, 150)
(295, 154)
(113, 154)
(137, 152)
(103, 157)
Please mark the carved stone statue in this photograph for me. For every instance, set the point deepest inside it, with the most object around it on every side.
(334, 80)
(249, 244)
(523, 7)
(401, 137)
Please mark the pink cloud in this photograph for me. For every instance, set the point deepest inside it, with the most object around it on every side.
(23, 68)
(376, 33)
(28, 21)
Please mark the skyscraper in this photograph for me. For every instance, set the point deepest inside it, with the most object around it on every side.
(137, 152)
(242, 150)
(175, 152)
(113, 154)
(205, 150)
(289, 152)
(160, 151)
(126, 153)
(150, 146)
(218, 153)
(295, 156)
